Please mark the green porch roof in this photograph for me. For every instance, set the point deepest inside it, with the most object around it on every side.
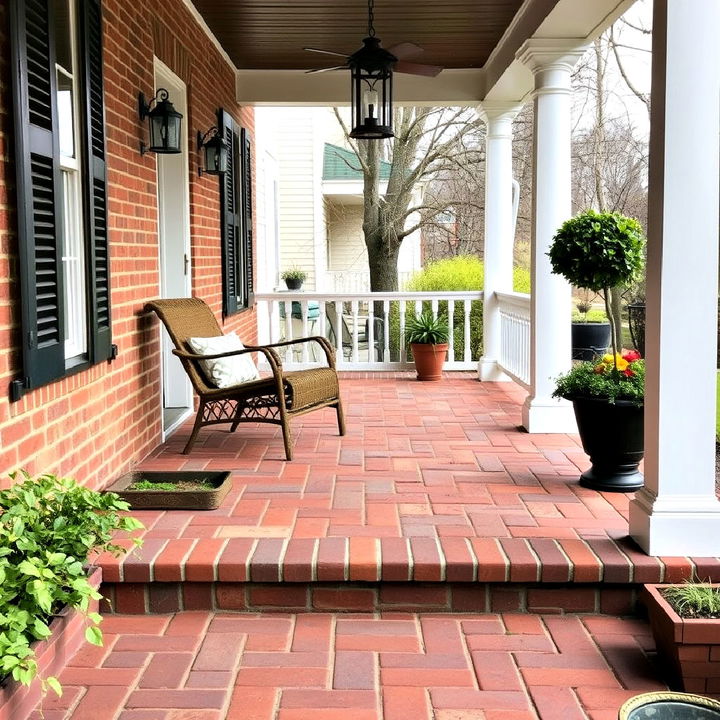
(339, 164)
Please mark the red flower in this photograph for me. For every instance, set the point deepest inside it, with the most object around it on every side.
(631, 356)
(628, 372)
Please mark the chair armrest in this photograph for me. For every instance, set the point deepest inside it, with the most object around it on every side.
(323, 342)
(214, 356)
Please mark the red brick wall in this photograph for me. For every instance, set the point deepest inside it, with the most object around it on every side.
(98, 423)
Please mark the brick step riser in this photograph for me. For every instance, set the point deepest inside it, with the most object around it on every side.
(159, 597)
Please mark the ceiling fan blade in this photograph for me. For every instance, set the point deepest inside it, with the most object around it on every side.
(405, 49)
(417, 69)
(319, 70)
(326, 52)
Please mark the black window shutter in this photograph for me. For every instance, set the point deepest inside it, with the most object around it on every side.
(249, 295)
(230, 224)
(38, 193)
(96, 184)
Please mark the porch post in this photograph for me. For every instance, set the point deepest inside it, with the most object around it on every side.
(498, 250)
(677, 512)
(551, 62)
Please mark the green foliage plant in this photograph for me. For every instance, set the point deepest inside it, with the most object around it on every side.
(294, 273)
(49, 527)
(426, 329)
(694, 599)
(619, 378)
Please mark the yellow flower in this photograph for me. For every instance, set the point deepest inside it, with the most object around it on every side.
(608, 359)
(622, 364)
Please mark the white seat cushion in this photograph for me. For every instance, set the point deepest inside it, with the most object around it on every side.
(229, 371)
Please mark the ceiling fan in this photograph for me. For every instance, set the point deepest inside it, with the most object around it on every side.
(371, 52)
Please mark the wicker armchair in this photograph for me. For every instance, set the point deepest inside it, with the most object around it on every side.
(274, 399)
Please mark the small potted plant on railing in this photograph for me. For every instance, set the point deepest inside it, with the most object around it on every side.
(294, 278)
(599, 251)
(428, 336)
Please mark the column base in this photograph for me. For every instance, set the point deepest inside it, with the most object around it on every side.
(548, 415)
(676, 527)
(489, 371)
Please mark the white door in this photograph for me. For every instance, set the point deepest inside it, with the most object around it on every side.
(174, 240)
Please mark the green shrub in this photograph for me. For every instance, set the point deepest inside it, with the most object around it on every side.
(49, 526)
(591, 316)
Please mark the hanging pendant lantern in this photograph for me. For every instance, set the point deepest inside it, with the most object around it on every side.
(371, 71)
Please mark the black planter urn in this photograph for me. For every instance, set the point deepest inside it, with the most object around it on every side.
(293, 283)
(589, 340)
(612, 435)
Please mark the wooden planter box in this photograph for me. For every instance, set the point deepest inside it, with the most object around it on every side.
(173, 499)
(68, 636)
(690, 648)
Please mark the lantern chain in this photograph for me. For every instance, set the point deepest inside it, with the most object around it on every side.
(371, 18)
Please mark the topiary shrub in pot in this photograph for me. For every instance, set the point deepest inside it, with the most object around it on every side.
(598, 251)
(49, 529)
(428, 336)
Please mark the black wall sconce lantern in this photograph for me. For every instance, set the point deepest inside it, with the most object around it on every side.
(215, 152)
(165, 123)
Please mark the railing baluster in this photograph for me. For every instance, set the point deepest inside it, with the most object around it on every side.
(305, 333)
(386, 331)
(370, 335)
(451, 336)
(354, 309)
(466, 330)
(403, 348)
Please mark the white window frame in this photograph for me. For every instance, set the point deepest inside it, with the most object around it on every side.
(74, 243)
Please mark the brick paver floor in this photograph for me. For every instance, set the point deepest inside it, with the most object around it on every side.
(429, 475)
(205, 666)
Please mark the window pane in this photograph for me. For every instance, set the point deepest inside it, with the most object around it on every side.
(73, 267)
(63, 35)
(66, 125)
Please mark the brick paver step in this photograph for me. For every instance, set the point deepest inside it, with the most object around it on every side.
(390, 666)
(433, 482)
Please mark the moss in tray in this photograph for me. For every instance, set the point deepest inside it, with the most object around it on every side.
(183, 485)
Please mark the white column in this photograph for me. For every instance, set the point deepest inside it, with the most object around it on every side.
(677, 512)
(498, 251)
(551, 62)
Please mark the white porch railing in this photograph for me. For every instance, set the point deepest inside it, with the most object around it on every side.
(357, 281)
(365, 329)
(515, 336)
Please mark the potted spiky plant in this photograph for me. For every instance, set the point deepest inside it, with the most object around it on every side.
(599, 251)
(685, 620)
(427, 336)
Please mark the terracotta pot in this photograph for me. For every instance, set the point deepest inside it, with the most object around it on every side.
(429, 360)
(612, 435)
(690, 648)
